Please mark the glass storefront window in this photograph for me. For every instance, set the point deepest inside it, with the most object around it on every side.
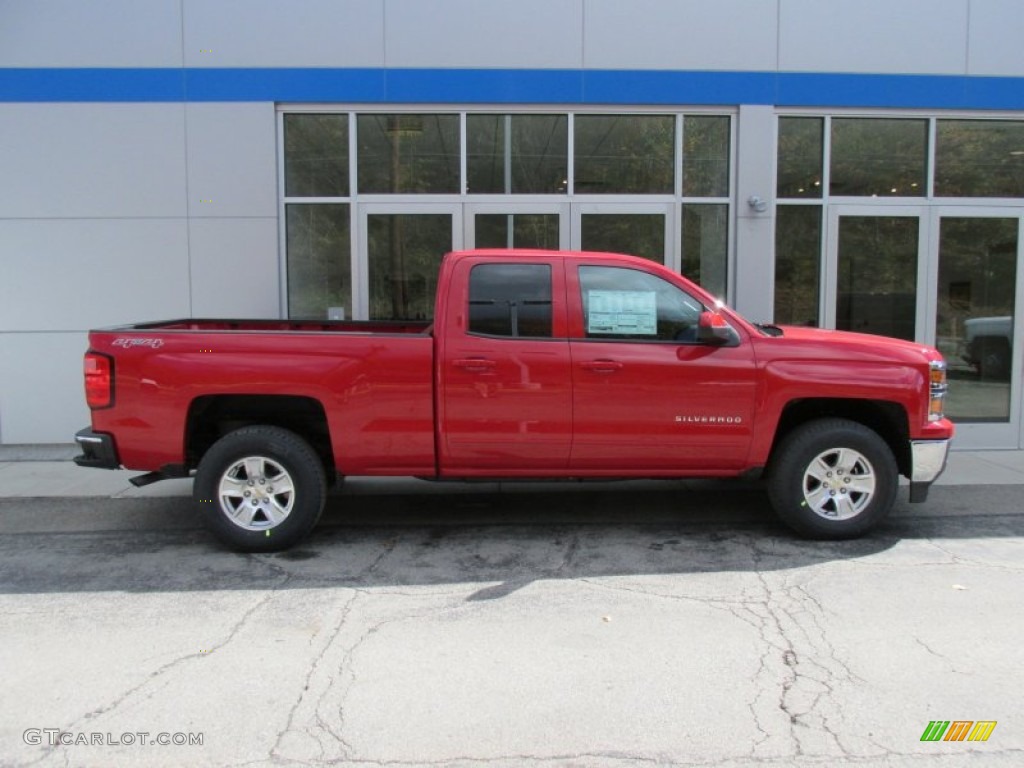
(879, 157)
(975, 314)
(316, 155)
(797, 264)
(624, 154)
(517, 154)
(519, 230)
(638, 234)
(405, 251)
(408, 154)
(801, 146)
(705, 156)
(706, 245)
(979, 158)
(319, 260)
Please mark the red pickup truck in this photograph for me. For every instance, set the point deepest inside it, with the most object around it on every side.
(538, 364)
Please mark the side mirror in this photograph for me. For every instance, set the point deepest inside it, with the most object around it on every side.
(712, 328)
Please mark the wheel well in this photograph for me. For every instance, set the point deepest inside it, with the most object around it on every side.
(212, 416)
(887, 419)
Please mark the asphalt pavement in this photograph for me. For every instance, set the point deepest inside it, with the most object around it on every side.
(597, 624)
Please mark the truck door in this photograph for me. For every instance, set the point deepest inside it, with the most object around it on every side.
(506, 383)
(649, 395)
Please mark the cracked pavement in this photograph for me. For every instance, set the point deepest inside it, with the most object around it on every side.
(550, 625)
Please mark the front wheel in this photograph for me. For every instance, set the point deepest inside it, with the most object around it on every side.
(260, 489)
(832, 479)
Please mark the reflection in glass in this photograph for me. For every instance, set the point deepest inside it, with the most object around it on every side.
(319, 260)
(624, 154)
(979, 158)
(877, 275)
(801, 143)
(706, 246)
(404, 153)
(405, 251)
(797, 264)
(705, 156)
(639, 234)
(878, 157)
(974, 322)
(519, 230)
(517, 154)
(315, 155)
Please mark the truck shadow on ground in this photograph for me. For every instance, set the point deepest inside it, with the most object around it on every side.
(491, 542)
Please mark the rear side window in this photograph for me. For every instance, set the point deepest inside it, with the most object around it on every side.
(511, 300)
(627, 304)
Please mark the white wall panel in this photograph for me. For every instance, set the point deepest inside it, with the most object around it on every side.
(232, 160)
(234, 268)
(996, 38)
(271, 33)
(41, 393)
(680, 34)
(909, 36)
(536, 34)
(75, 274)
(85, 160)
(72, 33)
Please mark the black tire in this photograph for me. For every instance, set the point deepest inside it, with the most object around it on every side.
(234, 489)
(832, 479)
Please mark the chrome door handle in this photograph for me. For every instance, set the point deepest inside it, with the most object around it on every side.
(475, 364)
(602, 366)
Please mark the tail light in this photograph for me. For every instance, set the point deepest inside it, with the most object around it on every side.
(99, 380)
(937, 390)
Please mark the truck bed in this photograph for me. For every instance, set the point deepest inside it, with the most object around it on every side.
(271, 325)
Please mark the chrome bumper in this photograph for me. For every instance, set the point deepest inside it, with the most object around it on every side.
(928, 459)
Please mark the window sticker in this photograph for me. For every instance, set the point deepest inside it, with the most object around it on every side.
(633, 313)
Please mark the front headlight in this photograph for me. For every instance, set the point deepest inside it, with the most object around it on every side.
(937, 390)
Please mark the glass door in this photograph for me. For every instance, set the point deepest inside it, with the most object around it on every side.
(976, 324)
(874, 274)
(400, 249)
(640, 230)
(517, 225)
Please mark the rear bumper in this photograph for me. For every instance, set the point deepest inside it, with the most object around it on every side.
(98, 450)
(928, 458)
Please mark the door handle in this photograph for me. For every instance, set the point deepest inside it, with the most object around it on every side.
(475, 364)
(602, 366)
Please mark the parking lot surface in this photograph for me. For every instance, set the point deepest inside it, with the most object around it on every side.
(597, 625)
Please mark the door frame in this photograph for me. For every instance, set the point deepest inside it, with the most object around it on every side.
(361, 245)
(829, 286)
(470, 210)
(983, 435)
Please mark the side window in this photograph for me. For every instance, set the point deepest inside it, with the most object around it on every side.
(622, 303)
(510, 300)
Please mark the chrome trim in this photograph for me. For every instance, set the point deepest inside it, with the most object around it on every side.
(84, 439)
(928, 458)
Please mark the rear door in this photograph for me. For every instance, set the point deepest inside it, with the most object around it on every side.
(648, 395)
(506, 403)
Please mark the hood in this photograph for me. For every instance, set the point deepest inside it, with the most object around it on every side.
(798, 341)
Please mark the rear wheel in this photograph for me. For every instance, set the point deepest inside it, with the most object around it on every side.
(832, 479)
(260, 489)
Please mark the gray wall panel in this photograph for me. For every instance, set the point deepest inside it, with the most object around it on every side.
(680, 34)
(996, 38)
(79, 273)
(72, 33)
(270, 33)
(85, 160)
(234, 268)
(232, 160)
(909, 36)
(41, 394)
(541, 34)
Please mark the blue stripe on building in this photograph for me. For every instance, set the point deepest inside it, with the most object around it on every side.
(513, 86)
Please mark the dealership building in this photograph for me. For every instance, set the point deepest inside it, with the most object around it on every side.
(852, 165)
